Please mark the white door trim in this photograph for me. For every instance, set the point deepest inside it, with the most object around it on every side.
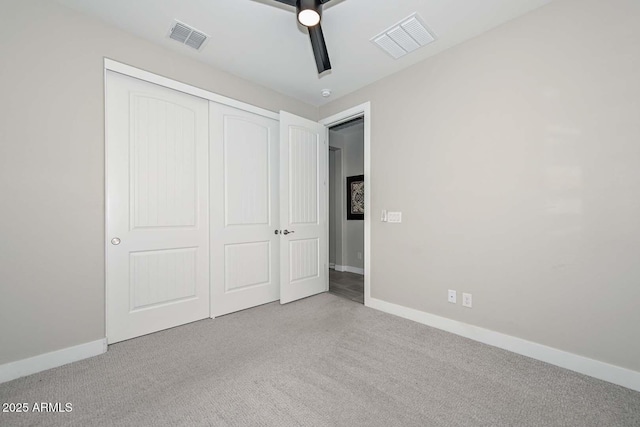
(118, 67)
(363, 110)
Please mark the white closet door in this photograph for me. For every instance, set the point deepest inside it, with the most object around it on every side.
(303, 213)
(157, 208)
(244, 210)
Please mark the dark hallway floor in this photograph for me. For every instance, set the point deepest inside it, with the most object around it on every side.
(347, 285)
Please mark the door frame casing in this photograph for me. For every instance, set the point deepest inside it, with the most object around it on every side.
(362, 110)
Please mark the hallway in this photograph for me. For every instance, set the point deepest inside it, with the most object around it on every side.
(347, 285)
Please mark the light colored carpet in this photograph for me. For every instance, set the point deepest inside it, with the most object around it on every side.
(322, 361)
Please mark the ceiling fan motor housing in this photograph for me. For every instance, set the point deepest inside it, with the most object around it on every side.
(309, 13)
(314, 5)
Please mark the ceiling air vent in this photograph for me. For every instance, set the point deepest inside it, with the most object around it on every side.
(406, 36)
(187, 35)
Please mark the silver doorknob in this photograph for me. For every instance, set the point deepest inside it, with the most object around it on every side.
(285, 232)
(115, 241)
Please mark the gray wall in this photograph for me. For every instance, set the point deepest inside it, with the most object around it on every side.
(336, 205)
(514, 158)
(52, 166)
(332, 207)
(350, 141)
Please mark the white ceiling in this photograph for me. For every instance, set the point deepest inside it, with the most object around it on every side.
(261, 41)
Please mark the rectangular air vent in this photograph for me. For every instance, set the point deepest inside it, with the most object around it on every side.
(187, 35)
(406, 36)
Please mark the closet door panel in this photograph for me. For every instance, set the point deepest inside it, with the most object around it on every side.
(244, 196)
(157, 208)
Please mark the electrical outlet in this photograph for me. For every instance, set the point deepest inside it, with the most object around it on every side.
(467, 300)
(383, 217)
(453, 296)
(359, 255)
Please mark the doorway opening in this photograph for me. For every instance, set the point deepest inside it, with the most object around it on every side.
(346, 187)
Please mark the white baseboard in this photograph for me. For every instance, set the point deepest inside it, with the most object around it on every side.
(355, 270)
(21, 368)
(594, 368)
(332, 265)
(349, 269)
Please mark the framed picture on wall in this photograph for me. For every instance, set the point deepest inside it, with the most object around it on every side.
(355, 197)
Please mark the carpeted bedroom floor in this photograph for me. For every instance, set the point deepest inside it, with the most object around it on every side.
(322, 361)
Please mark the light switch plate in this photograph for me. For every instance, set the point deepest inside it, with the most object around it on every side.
(453, 296)
(395, 217)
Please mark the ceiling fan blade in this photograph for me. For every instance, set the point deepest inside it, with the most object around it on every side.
(289, 2)
(319, 48)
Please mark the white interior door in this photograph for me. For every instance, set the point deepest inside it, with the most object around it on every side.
(303, 213)
(157, 208)
(244, 210)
